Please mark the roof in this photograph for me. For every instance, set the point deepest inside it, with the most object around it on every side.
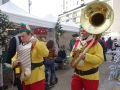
(50, 17)
(71, 23)
(9, 7)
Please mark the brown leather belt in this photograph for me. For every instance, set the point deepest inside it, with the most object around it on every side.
(88, 72)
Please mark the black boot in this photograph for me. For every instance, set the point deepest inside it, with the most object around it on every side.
(51, 85)
(46, 78)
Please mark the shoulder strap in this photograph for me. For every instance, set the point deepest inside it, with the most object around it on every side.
(17, 41)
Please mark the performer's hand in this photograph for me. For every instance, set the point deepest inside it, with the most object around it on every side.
(16, 62)
(33, 41)
(82, 56)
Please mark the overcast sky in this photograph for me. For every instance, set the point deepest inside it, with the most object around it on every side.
(39, 8)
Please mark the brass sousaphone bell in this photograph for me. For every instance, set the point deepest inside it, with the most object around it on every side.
(96, 18)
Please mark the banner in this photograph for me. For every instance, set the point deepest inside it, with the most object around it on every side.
(40, 30)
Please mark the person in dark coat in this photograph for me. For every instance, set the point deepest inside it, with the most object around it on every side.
(12, 49)
(101, 43)
(104, 48)
(11, 52)
(72, 41)
(62, 52)
(109, 43)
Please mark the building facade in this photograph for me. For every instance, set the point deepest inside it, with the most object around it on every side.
(3, 1)
(116, 23)
(71, 10)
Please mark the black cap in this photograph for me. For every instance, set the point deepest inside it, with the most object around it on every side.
(75, 35)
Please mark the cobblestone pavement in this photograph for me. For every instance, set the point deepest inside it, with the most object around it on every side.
(65, 79)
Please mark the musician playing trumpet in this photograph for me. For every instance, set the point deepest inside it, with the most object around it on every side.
(30, 55)
(86, 77)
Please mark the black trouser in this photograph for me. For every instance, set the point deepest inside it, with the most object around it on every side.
(18, 82)
(104, 56)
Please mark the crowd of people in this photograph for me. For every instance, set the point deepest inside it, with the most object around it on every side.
(108, 45)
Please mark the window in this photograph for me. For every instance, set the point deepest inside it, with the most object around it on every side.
(70, 16)
(66, 8)
(66, 2)
(74, 19)
(75, 14)
(67, 20)
(62, 18)
(78, 13)
(67, 15)
(78, 19)
(77, 2)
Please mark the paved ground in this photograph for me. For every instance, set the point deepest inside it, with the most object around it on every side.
(65, 79)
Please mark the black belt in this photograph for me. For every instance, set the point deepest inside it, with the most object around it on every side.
(88, 72)
(35, 65)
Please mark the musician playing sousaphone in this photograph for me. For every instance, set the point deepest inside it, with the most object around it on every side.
(87, 76)
(87, 53)
(29, 57)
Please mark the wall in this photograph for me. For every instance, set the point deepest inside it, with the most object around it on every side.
(5, 1)
(116, 9)
(0, 2)
(65, 39)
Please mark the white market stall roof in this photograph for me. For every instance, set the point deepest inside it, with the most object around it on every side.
(9, 7)
(50, 17)
(18, 15)
(71, 23)
(69, 26)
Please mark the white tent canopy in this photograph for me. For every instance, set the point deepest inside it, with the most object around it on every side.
(69, 26)
(18, 15)
(71, 23)
(9, 7)
(50, 17)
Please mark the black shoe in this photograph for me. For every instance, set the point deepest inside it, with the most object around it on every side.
(46, 86)
(51, 85)
(46, 78)
(14, 83)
